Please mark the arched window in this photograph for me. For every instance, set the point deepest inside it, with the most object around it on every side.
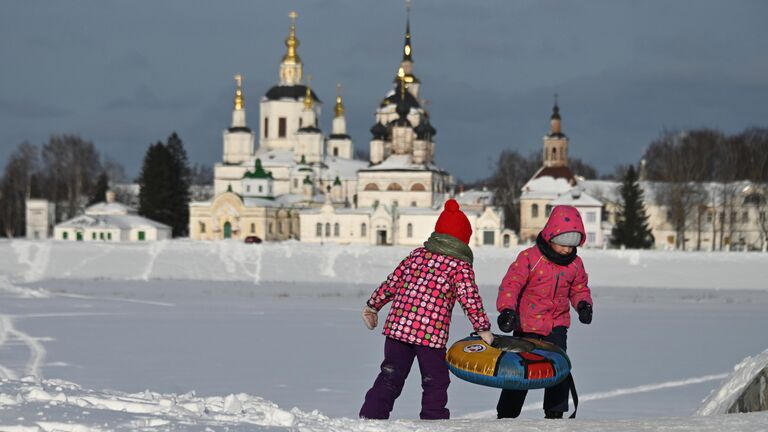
(554, 153)
(253, 228)
(327, 230)
(335, 151)
(394, 187)
(409, 230)
(202, 228)
(548, 209)
(535, 211)
(371, 187)
(319, 229)
(336, 229)
(418, 187)
(363, 230)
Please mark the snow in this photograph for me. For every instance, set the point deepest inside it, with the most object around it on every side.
(721, 400)
(181, 335)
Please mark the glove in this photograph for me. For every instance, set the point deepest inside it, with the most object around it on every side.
(507, 320)
(370, 317)
(585, 312)
(486, 336)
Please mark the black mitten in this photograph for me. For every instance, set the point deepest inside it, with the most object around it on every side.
(585, 312)
(507, 320)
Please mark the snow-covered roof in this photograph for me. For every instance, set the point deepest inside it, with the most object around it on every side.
(105, 208)
(106, 221)
(272, 158)
(474, 196)
(402, 162)
(346, 169)
(577, 198)
(546, 187)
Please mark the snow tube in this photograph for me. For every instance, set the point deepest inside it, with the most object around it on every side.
(512, 363)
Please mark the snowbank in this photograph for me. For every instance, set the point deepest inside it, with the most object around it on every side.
(28, 261)
(36, 405)
(744, 374)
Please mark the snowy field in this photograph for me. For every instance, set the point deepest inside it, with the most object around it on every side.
(225, 336)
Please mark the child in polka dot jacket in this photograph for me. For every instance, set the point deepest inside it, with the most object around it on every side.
(423, 290)
(534, 299)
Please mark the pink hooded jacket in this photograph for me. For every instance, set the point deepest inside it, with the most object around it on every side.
(540, 290)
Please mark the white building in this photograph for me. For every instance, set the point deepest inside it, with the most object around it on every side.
(730, 216)
(41, 216)
(111, 221)
(301, 184)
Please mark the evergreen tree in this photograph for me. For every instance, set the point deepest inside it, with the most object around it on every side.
(180, 182)
(155, 181)
(631, 228)
(100, 190)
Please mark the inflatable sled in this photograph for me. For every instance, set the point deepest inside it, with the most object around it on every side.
(512, 363)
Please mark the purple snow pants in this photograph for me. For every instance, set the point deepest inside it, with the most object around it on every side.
(398, 358)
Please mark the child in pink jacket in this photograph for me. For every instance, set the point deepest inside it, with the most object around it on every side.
(423, 290)
(535, 295)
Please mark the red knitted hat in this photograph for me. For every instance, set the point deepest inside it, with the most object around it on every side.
(454, 222)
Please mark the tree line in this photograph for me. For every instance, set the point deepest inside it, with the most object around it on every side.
(70, 172)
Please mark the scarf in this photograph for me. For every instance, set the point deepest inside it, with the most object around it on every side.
(445, 244)
(553, 256)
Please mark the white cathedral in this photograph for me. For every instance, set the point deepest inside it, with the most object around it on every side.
(300, 184)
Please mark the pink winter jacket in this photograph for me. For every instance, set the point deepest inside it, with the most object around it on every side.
(546, 287)
(423, 290)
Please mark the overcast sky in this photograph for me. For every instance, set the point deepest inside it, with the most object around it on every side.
(125, 74)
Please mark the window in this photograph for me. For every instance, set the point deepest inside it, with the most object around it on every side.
(336, 229)
(335, 151)
(327, 230)
(669, 215)
(282, 127)
(65, 235)
(363, 230)
(109, 236)
(266, 127)
(548, 209)
(709, 217)
(248, 188)
(413, 203)
(270, 228)
(319, 230)
(280, 227)
(202, 227)
(762, 216)
(394, 187)
(253, 228)
(418, 187)
(301, 122)
(733, 216)
(534, 211)
(93, 236)
(409, 230)
(371, 187)
(744, 217)
(591, 238)
(554, 153)
(261, 189)
(591, 217)
(489, 238)
(141, 236)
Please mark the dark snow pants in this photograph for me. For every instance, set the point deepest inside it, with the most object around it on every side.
(398, 358)
(555, 397)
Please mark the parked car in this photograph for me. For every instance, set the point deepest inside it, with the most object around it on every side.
(252, 239)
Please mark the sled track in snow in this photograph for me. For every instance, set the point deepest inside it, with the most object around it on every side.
(617, 393)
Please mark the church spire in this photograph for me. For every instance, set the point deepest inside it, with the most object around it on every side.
(339, 110)
(554, 120)
(407, 49)
(290, 68)
(239, 99)
(308, 101)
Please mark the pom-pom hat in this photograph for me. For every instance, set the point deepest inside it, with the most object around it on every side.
(454, 222)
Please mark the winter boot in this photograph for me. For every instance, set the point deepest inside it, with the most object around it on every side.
(553, 414)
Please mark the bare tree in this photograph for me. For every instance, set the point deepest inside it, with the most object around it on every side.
(71, 166)
(15, 188)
